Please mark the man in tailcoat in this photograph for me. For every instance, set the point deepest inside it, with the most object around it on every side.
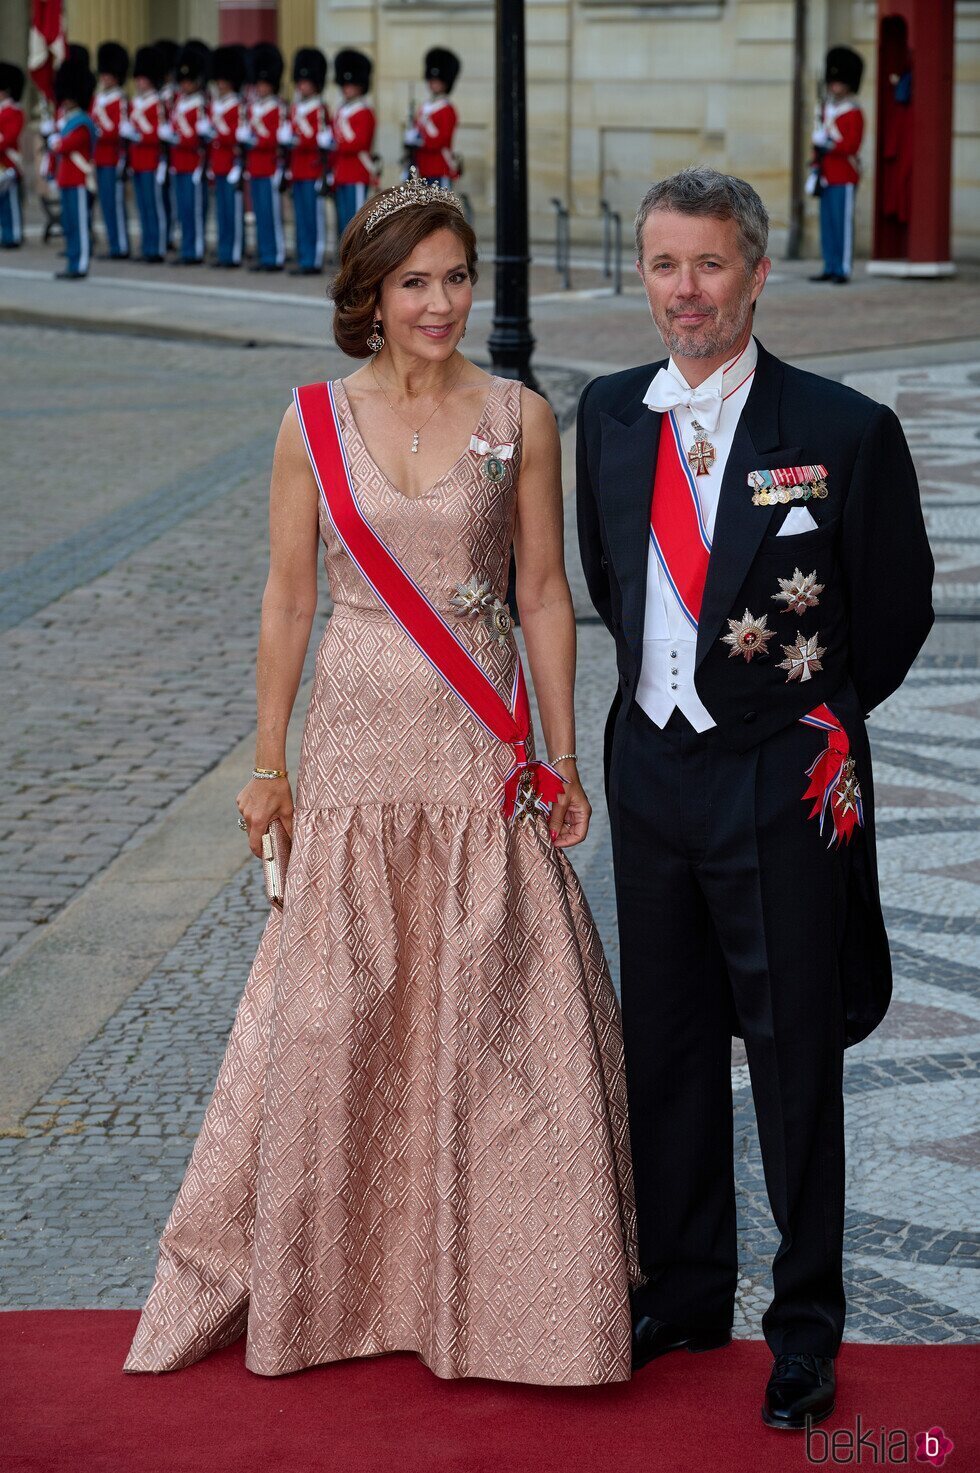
(753, 540)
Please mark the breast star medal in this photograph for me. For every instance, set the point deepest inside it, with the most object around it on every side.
(803, 657)
(748, 636)
(476, 598)
(702, 454)
(799, 593)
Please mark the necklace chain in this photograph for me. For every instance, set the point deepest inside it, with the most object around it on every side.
(417, 429)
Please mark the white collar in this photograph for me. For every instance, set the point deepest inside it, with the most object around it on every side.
(729, 377)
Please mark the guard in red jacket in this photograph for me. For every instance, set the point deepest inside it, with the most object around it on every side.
(225, 155)
(73, 148)
(307, 135)
(142, 131)
(109, 111)
(187, 134)
(837, 143)
(11, 160)
(261, 136)
(353, 137)
(430, 138)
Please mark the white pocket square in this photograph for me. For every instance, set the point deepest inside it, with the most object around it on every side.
(798, 519)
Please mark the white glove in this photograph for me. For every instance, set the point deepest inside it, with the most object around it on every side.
(162, 172)
(284, 133)
(277, 178)
(413, 137)
(820, 138)
(46, 127)
(205, 129)
(244, 134)
(198, 174)
(234, 174)
(167, 133)
(129, 131)
(324, 139)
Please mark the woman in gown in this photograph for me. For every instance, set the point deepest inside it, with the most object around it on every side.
(417, 1139)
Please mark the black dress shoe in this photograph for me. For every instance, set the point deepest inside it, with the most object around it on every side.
(824, 276)
(655, 1337)
(802, 1388)
(840, 280)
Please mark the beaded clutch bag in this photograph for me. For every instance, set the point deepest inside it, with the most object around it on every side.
(275, 857)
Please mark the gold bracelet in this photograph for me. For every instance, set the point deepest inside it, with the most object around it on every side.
(269, 772)
(565, 757)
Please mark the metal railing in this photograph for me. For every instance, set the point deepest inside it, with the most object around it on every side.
(563, 248)
(612, 245)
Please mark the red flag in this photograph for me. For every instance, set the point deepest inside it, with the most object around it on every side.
(48, 44)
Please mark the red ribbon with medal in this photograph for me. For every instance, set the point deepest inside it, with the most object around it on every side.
(413, 611)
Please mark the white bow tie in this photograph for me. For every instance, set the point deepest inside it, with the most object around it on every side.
(666, 393)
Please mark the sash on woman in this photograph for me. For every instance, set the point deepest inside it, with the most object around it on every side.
(413, 611)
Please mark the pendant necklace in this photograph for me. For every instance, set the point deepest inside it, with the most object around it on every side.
(416, 431)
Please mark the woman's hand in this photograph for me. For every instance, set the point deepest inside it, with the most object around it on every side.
(570, 814)
(260, 801)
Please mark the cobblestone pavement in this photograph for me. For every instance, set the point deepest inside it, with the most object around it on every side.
(129, 602)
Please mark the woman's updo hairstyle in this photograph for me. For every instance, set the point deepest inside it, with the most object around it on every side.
(365, 261)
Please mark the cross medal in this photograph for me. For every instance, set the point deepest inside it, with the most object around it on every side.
(702, 454)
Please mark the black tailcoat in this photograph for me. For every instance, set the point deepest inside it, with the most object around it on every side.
(869, 550)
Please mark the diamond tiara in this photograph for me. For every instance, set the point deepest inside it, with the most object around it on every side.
(413, 192)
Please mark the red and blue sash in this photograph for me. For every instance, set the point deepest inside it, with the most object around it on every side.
(677, 529)
(683, 547)
(412, 610)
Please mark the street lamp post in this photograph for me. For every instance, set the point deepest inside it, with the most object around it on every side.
(510, 342)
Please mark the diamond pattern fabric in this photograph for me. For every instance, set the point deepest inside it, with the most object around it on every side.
(418, 1138)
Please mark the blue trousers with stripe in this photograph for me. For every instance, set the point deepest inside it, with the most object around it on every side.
(308, 213)
(150, 207)
(837, 228)
(11, 222)
(74, 223)
(348, 199)
(229, 213)
(189, 199)
(267, 204)
(112, 202)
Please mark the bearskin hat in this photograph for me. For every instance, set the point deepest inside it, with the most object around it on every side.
(112, 60)
(194, 62)
(844, 65)
(354, 67)
(168, 52)
(12, 80)
(228, 64)
(442, 66)
(265, 64)
(151, 64)
(75, 83)
(310, 65)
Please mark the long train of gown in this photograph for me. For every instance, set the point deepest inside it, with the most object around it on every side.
(417, 1139)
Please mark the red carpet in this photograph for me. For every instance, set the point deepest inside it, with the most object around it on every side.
(67, 1407)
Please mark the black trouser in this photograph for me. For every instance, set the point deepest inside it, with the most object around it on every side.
(730, 909)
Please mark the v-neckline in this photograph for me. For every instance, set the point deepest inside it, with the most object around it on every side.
(421, 495)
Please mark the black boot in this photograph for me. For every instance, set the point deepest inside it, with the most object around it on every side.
(802, 1388)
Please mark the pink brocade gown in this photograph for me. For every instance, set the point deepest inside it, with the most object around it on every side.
(418, 1136)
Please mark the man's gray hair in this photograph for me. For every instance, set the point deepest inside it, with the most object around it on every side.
(704, 191)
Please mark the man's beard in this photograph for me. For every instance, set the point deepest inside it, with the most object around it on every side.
(715, 338)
